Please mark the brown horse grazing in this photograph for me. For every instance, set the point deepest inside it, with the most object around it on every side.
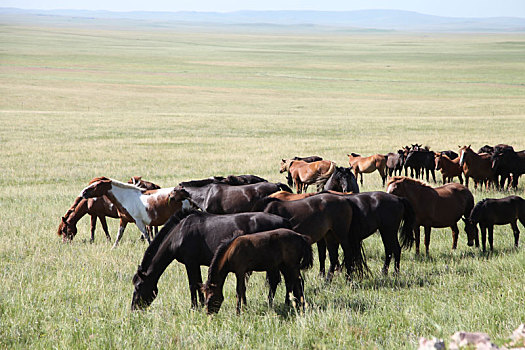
(153, 208)
(98, 207)
(368, 165)
(434, 206)
(475, 166)
(304, 173)
(449, 168)
(490, 212)
(280, 250)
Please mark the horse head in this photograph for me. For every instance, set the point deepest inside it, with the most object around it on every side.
(96, 189)
(471, 229)
(285, 165)
(213, 297)
(438, 160)
(66, 230)
(396, 186)
(180, 195)
(463, 151)
(145, 292)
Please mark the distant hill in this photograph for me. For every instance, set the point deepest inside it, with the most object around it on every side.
(364, 19)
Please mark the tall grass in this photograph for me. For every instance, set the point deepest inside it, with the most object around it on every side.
(172, 105)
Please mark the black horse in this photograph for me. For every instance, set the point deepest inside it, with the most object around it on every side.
(506, 162)
(421, 160)
(395, 162)
(342, 180)
(451, 154)
(220, 198)
(192, 239)
(490, 212)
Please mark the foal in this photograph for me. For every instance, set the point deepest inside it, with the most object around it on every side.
(490, 212)
(280, 250)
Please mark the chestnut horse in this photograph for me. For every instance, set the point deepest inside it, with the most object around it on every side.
(304, 173)
(475, 166)
(490, 212)
(153, 208)
(434, 206)
(449, 168)
(281, 250)
(368, 165)
(192, 238)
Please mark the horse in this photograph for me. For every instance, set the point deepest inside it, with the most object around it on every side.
(280, 250)
(449, 168)
(475, 166)
(421, 160)
(395, 162)
(98, 207)
(153, 208)
(368, 165)
(304, 173)
(434, 206)
(327, 219)
(220, 198)
(192, 238)
(489, 212)
(342, 180)
(451, 154)
(486, 149)
(506, 162)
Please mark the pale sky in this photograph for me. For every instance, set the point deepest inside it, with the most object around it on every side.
(450, 8)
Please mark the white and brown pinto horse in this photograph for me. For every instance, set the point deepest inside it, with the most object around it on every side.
(368, 165)
(305, 173)
(137, 205)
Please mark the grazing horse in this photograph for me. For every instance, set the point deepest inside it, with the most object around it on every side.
(152, 209)
(304, 173)
(506, 162)
(192, 238)
(449, 168)
(368, 165)
(220, 198)
(490, 212)
(280, 250)
(342, 180)
(98, 207)
(475, 166)
(326, 219)
(395, 162)
(434, 206)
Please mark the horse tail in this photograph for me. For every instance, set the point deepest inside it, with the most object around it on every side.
(323, 178)
(307, 257)
(406, 231)
(283, 187)
(355, 258)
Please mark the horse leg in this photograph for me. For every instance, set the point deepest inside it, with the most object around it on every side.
(416, 238)
(433, 175)
(241, 291)
(483, 229)
(321, 249)
(274, 278)
(120, 233)
(288, 283)
(460, 179)
(427, 238)
(516, 232)
(195, 281)
(298, 288)
(455, 234)
(143, 230)
(333, 254)
(93, 227)
(105, 227)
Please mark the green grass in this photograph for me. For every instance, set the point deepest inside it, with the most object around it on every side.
(173, 105)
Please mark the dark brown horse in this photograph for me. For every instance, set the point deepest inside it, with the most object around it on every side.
(434, 206)
(490, 212)
(275, 251)
(326, 219)
(304, 173)
(505, 162)
(475, 166)
(395, 162)
(342, 180)
(368, 165)
(192, 238)
(449, 168)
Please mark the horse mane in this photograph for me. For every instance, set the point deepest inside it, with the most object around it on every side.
(409, 180)
(476, 212)
(355, 154)
(68, 213)
(202, 183)
(220, 251)
(97, 179)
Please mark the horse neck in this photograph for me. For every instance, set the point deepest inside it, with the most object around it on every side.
(80, 210)
(219, 269)
(157, 258)
(198, 194)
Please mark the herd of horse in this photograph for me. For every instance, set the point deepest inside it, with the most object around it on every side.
(244, 223)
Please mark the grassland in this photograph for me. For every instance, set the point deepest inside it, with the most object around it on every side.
(172, 105)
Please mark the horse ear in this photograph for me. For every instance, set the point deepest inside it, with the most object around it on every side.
(283, 160)
(469, 146)
(64, 220)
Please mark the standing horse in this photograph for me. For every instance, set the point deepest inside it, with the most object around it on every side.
(449, 168)
(475, 166)
(435, 207)
(421, 160)
(326, 219)
(506, 162)
(304, 173)
(192, 238)
(395, 162)
(220, 198)
(134, 205)
(368, 165)
(275, 251)
(342, 180)
(490, 212)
